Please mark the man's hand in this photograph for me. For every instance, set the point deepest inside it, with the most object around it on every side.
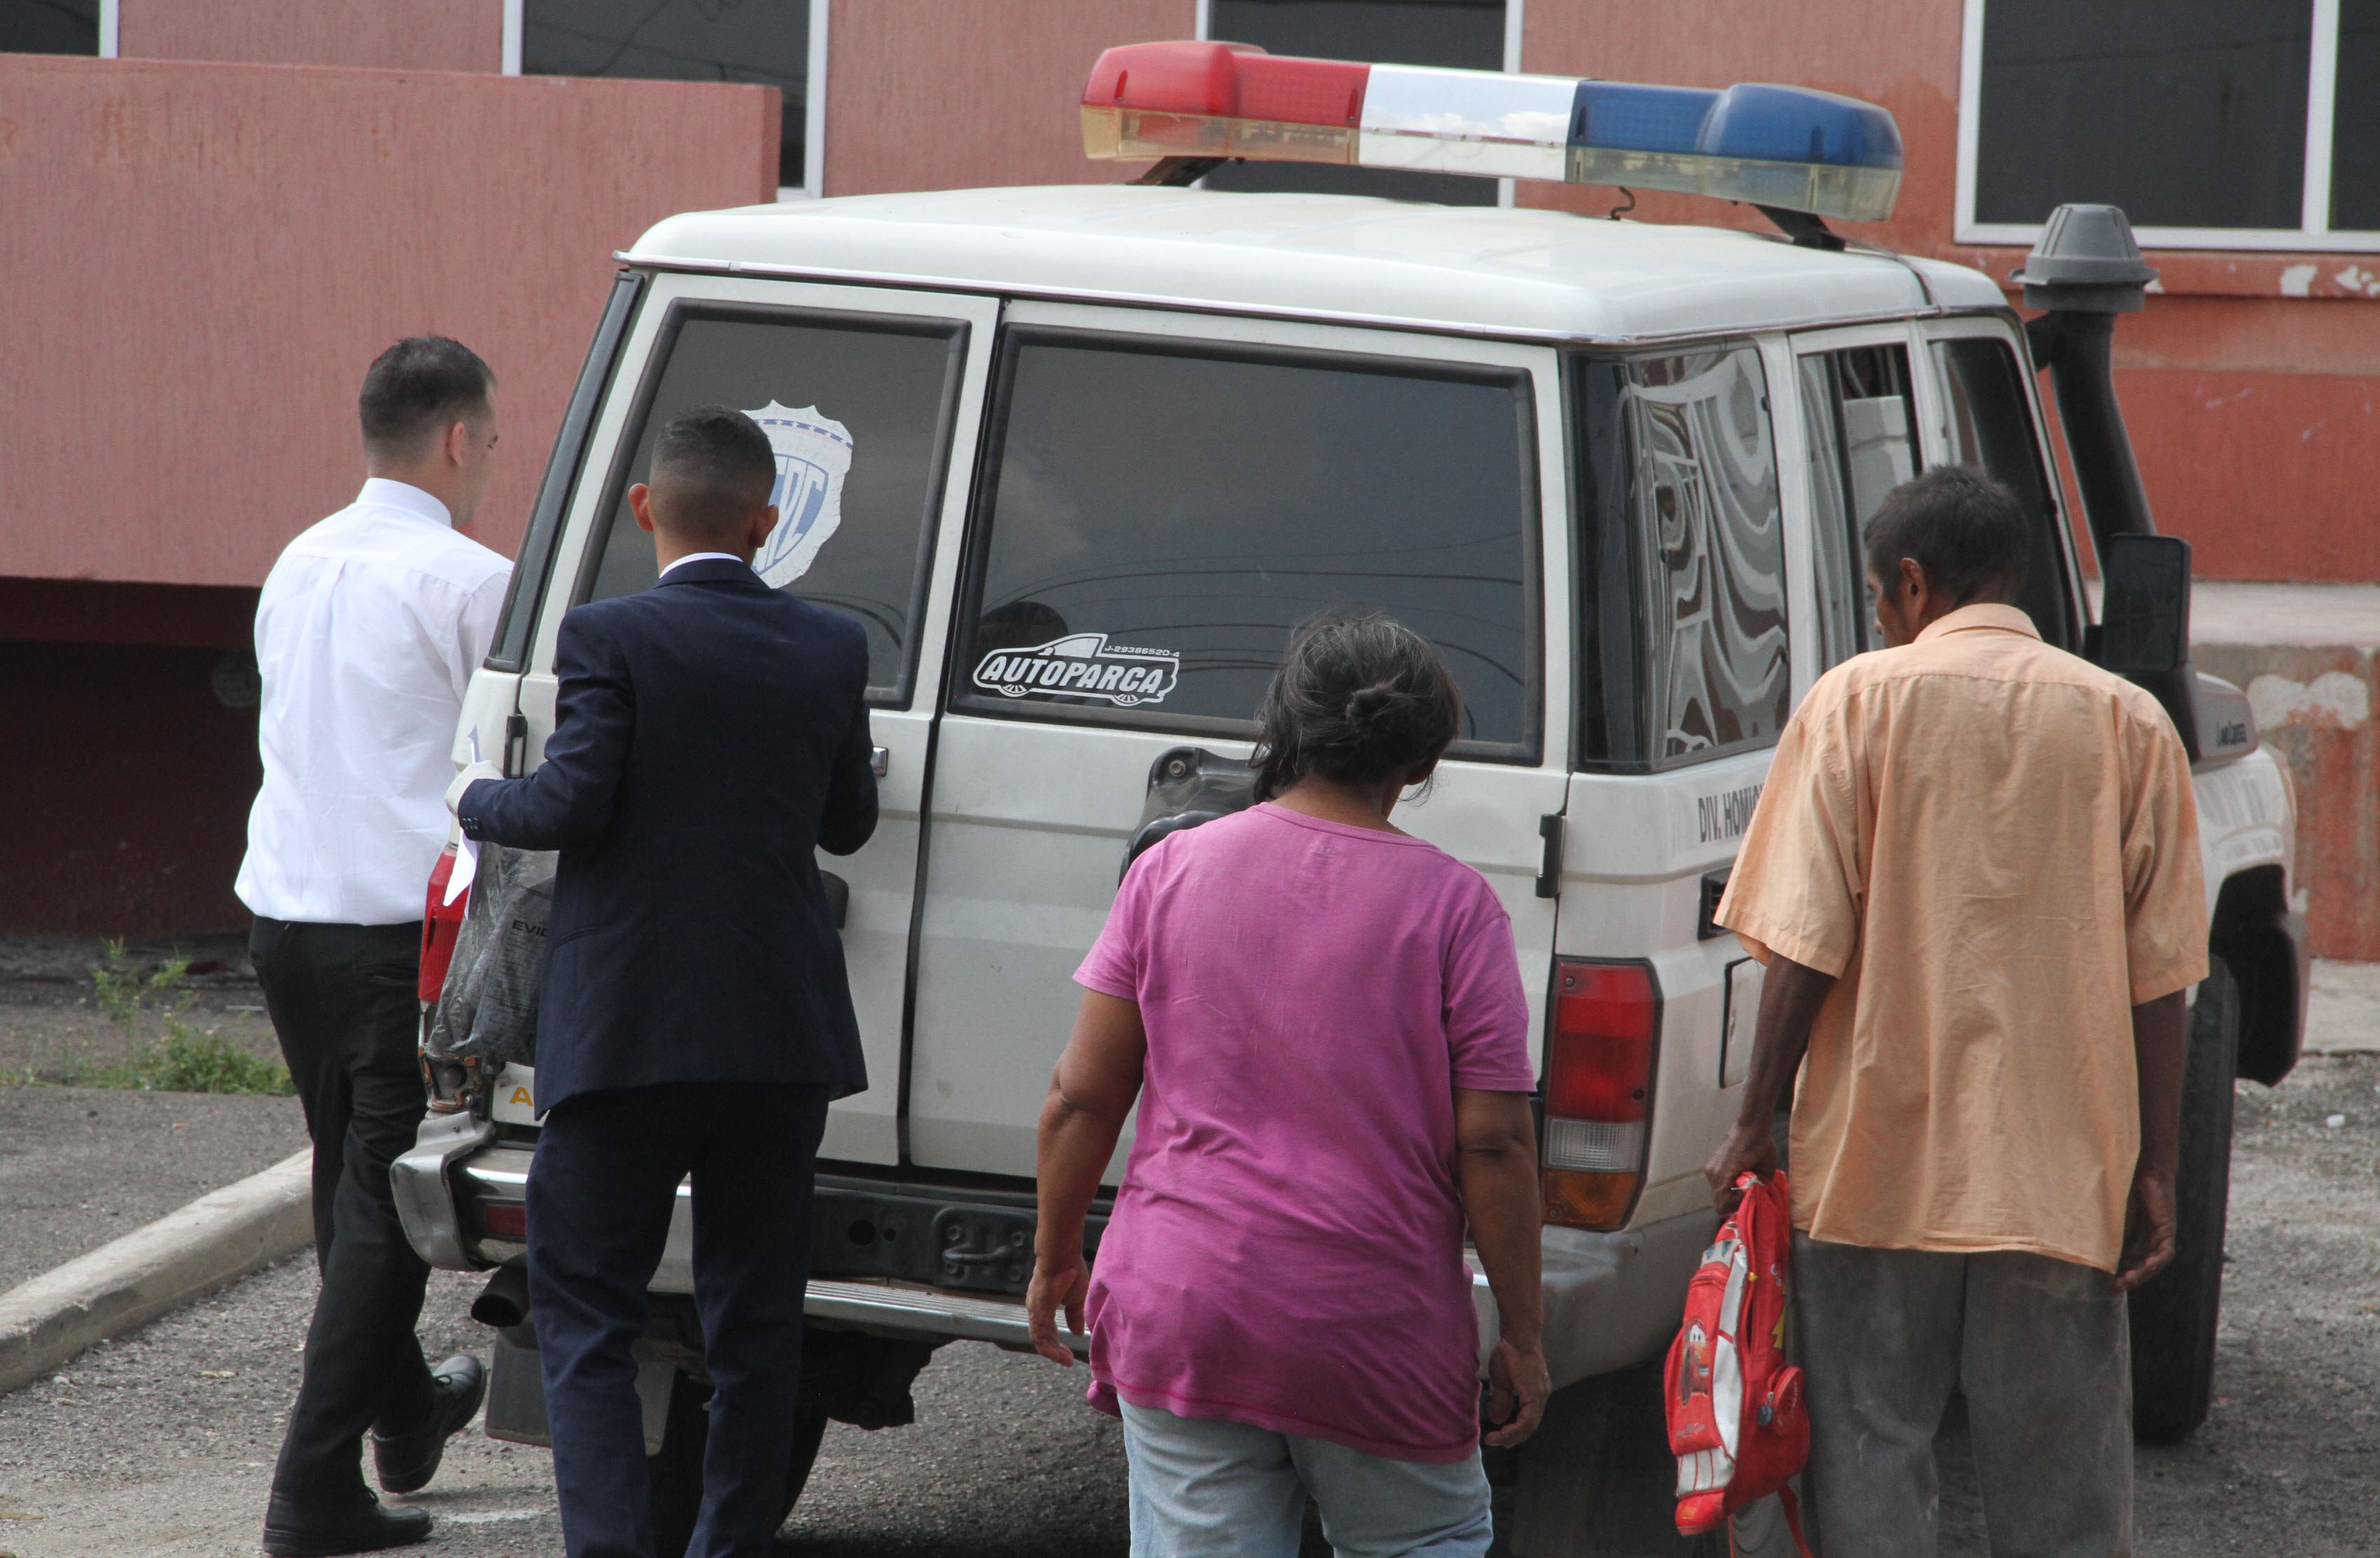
(1052, 1290)
(470, 775)
(2148, 1230)
(1517, 1387)
(1748, 1149)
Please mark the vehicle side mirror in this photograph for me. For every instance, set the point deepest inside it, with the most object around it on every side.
(2145, 611)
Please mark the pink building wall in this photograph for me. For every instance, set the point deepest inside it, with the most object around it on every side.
(203, 258)
(928, 94)
(392, 34)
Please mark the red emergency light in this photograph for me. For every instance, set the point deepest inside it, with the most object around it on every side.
(1784, 148)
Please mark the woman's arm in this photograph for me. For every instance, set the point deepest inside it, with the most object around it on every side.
(1496, 1153)
(1090, 1093)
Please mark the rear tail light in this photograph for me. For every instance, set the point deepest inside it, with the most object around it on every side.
(442, 921)
(505, 1220)
(1605, 1021)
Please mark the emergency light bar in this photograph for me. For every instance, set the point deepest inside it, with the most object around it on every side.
(1784, 147)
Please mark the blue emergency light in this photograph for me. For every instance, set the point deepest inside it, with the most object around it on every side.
(1786, 148)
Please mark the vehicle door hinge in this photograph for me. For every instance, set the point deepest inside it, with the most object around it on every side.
(516, 745)
(1549, 870)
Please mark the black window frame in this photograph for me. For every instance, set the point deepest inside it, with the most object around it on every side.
(1613, 624)
(958, 332)
(2335, 61)
(63, 16)
(797, 120)
(959, 695)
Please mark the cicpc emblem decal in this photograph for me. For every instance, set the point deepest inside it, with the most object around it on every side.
(1081, 665)
(813, 457)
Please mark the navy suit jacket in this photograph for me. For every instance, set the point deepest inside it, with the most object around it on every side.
(709, 736)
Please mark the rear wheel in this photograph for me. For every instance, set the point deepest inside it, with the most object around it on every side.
(674, 1477)
(2174, 1314)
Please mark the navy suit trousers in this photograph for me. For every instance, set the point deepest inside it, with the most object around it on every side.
(607, 1171)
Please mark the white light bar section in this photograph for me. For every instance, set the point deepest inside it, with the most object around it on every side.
(1430, 120)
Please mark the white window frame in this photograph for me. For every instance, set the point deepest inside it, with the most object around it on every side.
(813, 183)
(1514, 31)
(111, 20)
(2312, 235)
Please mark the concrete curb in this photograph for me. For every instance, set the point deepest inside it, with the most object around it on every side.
(216, 1240)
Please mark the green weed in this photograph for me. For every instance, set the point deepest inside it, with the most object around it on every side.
(123, 990)
(184, 1060)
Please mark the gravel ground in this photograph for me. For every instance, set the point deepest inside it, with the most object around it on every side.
(162, 1443)
(79, 1166)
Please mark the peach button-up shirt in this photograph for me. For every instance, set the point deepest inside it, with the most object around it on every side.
(1993, 846)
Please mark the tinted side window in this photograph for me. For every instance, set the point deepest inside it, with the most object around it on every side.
(1990, 427)
(1157, 518)
(1863, 443)
(858, 407)
(1713, 553)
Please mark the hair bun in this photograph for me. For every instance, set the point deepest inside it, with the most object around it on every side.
(1367, 704)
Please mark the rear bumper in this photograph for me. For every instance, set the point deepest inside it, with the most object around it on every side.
(1610, 1299)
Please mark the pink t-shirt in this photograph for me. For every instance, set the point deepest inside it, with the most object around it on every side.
(1287, 1247)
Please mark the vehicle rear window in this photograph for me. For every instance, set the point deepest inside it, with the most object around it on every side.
(858, 407)
(1157, 518)
(1683, 558)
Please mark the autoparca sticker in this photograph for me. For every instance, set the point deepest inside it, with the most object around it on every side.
(1081, 665)
(813, 457)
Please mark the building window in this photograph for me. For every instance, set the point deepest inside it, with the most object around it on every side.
(2215, 124)
(49, 27)
(1463, 35)
(778, 43)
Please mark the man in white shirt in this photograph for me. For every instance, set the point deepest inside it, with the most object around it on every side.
(367, 633)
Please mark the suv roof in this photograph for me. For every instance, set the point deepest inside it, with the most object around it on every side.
(1476, 270)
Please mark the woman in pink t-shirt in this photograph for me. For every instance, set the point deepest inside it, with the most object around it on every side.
(1322, 1021)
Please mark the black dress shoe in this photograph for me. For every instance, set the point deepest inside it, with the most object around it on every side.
(297, 1530)
(407, 1462)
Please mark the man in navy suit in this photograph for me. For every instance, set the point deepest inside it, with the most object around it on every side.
(709, 736)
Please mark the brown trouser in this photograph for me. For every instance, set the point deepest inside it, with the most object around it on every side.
(2039, 1347)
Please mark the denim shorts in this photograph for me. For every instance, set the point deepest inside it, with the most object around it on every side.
(1205, 1488)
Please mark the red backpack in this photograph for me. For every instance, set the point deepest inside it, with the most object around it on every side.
(1737, 1423)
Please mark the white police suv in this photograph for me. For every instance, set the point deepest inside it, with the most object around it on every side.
(1079, 457)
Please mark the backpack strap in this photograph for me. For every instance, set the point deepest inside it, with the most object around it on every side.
(1792, 1523)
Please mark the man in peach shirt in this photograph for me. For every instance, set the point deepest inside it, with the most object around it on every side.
(1973, 876)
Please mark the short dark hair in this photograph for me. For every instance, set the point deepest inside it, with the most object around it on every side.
(1966, 530)
(1359, 699)
(710, 465)
(424, 384)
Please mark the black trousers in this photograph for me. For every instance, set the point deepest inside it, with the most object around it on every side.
(343, 1003)
(600, 1201)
